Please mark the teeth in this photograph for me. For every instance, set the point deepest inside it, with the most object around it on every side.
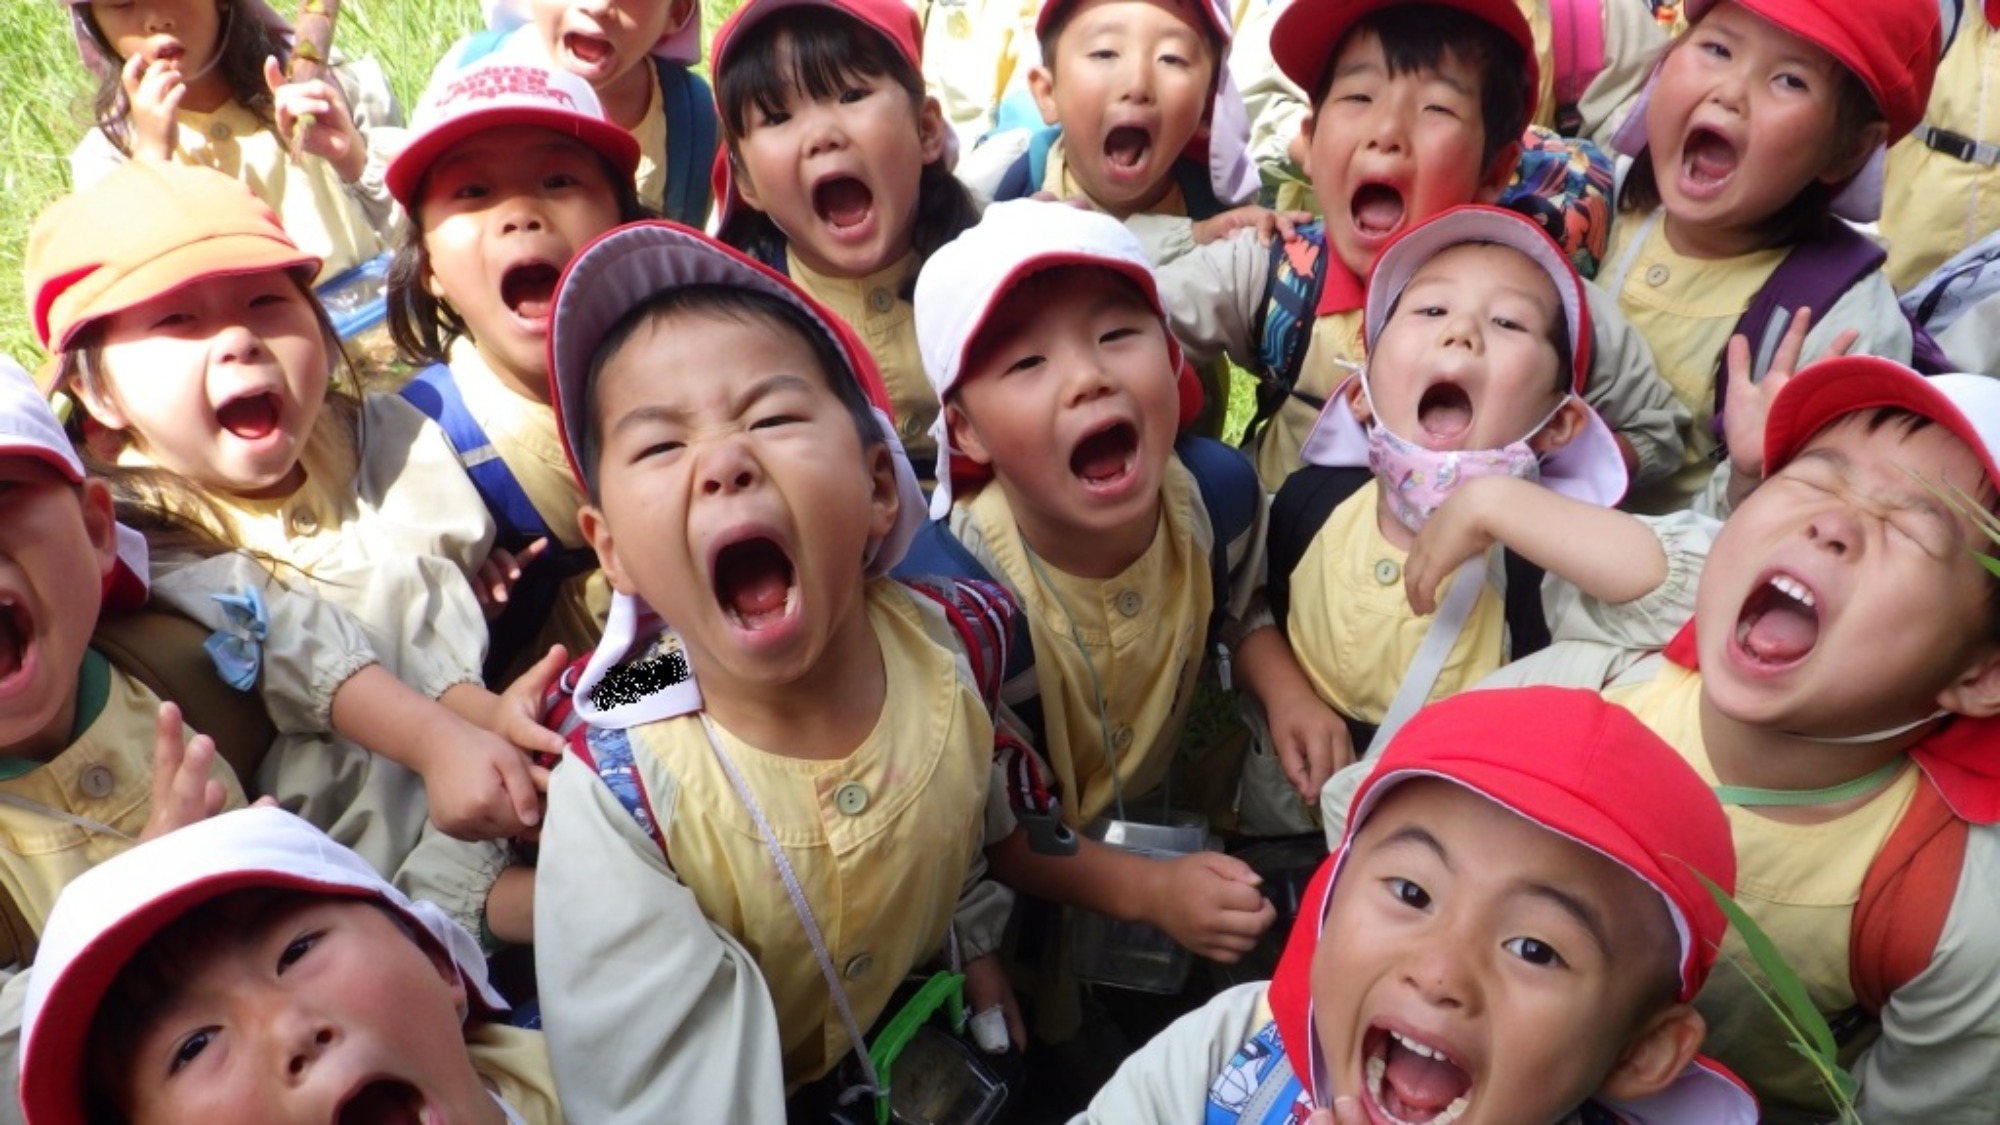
(1452, 1112)
(1793, 589)
(1375, 1069)
(1418, 1048)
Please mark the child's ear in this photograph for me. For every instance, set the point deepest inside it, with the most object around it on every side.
(1499, 172)
(98, 404)
(1357, 401)
(931, 130)
(100, 522)
(679, 14)
(1301, 147)
(431, 285)
(1976, 693)
(1861, 146)
(1564, 425)
(885, 501)
(1042, 84)
(744, 186)
(597, 530)
(964, 435)
(1658, 1054)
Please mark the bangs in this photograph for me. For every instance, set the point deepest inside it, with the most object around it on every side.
(813, 53)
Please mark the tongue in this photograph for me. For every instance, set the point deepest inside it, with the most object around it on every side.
(250, 418)
(1445, 415)
(755, 582)
(529, 291)
(1377, 209)
(1101, 456)
(845, 202)
(1710, 157)
(1423, 1084)
(1781, 634)
(1126, 146)
(586, 48)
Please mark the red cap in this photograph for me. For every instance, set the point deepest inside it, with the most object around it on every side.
(1308, 32)
(895, 20)
(1966, 405)
(1892, 46)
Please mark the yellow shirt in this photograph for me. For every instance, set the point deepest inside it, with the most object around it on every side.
(515, 1065)
(874, 307)
(105, 776)
(1800, 882)
(1353, 631)
(881, 840)
(1934, 205)
(1141, 634)
(651, 133)
(1686, 308)
(523, 432)
(1336, 352)
(1057, 180)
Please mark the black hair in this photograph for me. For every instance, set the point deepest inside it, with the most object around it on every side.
(1066, 12)
(728, 302)
(423, 326)
(817, 52)
(244, 41)
(1809, 215)
(1558, 328)
(1420, 37)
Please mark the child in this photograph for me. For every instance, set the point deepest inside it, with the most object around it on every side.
(249, 968)
(638, 55)
(1510, 931)
(199, 82)
(510, 171)
(179, 313)
(1143, 115)
(1478, 336)
(1836, 629)
(839, 172)
(1754, 142)
(1381, 164)
(795, 711)
(1130, 554)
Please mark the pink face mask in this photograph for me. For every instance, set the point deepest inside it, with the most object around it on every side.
(1416, 480)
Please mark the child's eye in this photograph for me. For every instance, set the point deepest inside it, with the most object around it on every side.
(1025, 363)
(558, 180)
(660, 449)
(299, 947)
(1176, 60)
(173, 320)
(1428, 310)
(1534, 952)
(771, 118)
(1714, 49)
(1509, 324)
(1439, 108)
(854, 94)
(1356, 99)
(266, 300)
(774, 421)
(1794, 83)
(1409, 894)
(190, 1048)
(1103, 54)
(1116, 334)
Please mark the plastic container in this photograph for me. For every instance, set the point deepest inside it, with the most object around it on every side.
(358, 299)
(939, 1079)
(1131, 954)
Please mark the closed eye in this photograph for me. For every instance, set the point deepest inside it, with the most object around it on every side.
(660, 449)
(1117, 334)
(1025, 363)
(775, 420)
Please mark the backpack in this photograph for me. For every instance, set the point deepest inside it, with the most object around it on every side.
(1951, 290)
(1563, 184)
(689, 107)
(534, 595)
(1023, 178)
(1302, 506)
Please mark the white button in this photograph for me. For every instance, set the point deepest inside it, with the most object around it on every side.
(911, 426)
(1657, 276)
(881, 300)
(218, 132)
(851, 798)
(98, 783)
(1387, 572)
(303, 520)
(1121, 737)
(858, 968)
(1130, 603)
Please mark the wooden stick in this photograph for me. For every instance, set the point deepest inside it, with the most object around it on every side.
(312, 46)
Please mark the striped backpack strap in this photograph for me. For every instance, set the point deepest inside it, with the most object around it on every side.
(982, 613)
(607, 752)
(1283, 331)
(1258, 1086)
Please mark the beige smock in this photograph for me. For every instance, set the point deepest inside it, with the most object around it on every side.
(875, 307)
(342, 224)
(1934, 204)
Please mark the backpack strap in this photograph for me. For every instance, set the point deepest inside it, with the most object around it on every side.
(1301, 507)
(1258, 1086)
(1283, 330)
(609, 754)
(691, 142)
(436, 393)
(1197, 190)
(1905, 899)
(163, 650)
(1023, 178)
(1230, 492)
(981, 612)
(1527, 627)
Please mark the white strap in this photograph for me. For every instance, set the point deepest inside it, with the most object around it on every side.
(804, 910)
(1466, 583)
(94, 827)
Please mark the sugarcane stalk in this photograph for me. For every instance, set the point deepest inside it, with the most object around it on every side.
(312, 46)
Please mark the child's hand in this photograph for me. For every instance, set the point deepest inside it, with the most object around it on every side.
(1456, 532)
(154, 90)
(1749, 402)
(502, 568)
(988, 990)
(1210, 903)
(1266, 222)
(331, 133)
(183, 792)
(480, 787)
(1311, 741)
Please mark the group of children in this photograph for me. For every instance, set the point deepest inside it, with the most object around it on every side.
(710, 674)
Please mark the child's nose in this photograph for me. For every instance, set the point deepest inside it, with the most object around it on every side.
(727, 467)
(826, 134)
(1438, 971)
(1836, 529)
(521, 217)
(237, 344)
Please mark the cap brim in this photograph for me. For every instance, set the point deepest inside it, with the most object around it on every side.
(1833, 388)
(405, 174)
(230, 255)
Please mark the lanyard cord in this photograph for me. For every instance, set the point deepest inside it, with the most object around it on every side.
(872, 1084)
(1750, 797)
(94, 827)
(1090, 666)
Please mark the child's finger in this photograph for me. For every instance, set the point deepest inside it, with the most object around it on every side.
(522, 793)
(1794, 342)
(529, 554)
(1842, 344)
(132, 73)
(214, 797)
(274, 75)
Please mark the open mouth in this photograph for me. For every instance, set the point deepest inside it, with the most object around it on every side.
(251, 417)
(385, 1102)
(1377, 209)
(1445, 412)
(1413, 1083)
(15, 629)
(842, 202)
(1779, 624)
(754, 583)
(1707, 157)
(587, 49)
(1106, 455)
(167, 50)
(1126, 148)
(529, 289)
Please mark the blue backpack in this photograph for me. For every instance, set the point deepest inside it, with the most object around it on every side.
(691, 131)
